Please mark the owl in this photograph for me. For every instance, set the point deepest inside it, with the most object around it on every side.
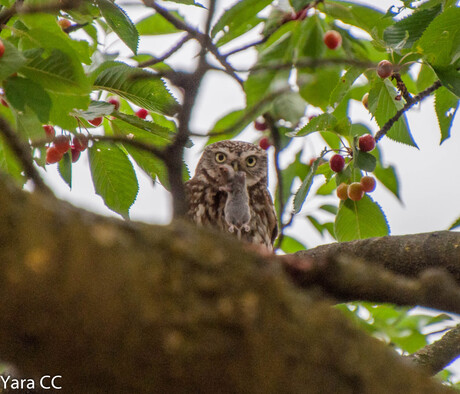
(222, 168)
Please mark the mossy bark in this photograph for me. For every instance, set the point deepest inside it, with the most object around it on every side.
(124, 307)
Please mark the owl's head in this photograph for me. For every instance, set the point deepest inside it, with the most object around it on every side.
(241, 156)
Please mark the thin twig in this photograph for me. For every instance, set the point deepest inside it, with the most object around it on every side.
(243, 48)
(169, 53)
(419, 97)
(402, 87)
(130, 141)
(438, 355)
(22, 152)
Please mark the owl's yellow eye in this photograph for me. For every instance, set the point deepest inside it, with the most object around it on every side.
(220, 157)
(251, 161)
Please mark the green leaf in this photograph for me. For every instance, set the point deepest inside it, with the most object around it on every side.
(318, 123)
(155, 24)
(426, 77)
(450, 78)
(446, 105)
(239, 14)
(344, 85)
(455, 224)
(113, 177)
(304, 188)
(140, 87)
(120, 23)
(289, 106)
(383, 106)
(95, 109)
(63, 105)
(22, 92)
(11, 61)
(316, 88)
(360, 219)
(440, 41)
(365, 161)
(387, 176)
(405, 32)
(65, 168)
(9, 163)
(291, 245)
(239, 31)
(329, 208)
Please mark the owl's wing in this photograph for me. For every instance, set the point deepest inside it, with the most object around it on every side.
(271, 215)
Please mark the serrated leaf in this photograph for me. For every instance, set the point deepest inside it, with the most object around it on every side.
(22, 92)
(120, 23)
(360, 219)
(316, 88)
(383, 106)
(405, 32)
(316, 224)
(289, 106)
(291, 245)
(329, 208)
(188, 2)
(155, 25)
(239, 14)
(387, 176)
(304, 188)
(140, 87)
(63, 105)
(318, 123)
(446, 105)
(9, 163)
(450, 78)
(440, 41)
(11, 61)
(365, 161)
(65, 169)
(239, 31)
(113, 177)
(344, 85)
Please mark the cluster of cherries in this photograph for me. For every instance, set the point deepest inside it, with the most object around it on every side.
(61, 144)
(355, 191)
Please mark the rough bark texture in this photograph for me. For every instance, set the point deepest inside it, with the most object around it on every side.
(128, 308)
(408, 255)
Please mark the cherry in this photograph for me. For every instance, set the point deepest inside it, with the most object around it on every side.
(332, 39)
(366, 143)
(260, 126)
(355, 191)
(264, 143)
(365, 100)
(64, 23)
(53, 155)
(115, 102)
(80, 142)
(342, 191)
(75, 154)
(49, 131)
(368, 183)
(4, 103)
(142, 113)
(384, 69)
(62, 143)
(337, 163)
(2, 48)
(96, 121)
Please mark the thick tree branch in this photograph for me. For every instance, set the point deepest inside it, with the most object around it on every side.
(22, 152)
(135, 308)
(413, 100)
(407, 255)
(351, 279)
(438, 355)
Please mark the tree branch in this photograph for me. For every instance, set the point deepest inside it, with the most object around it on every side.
(169, 53)
(419, 97)
(351, 279)
(22, 152)
(438, 355)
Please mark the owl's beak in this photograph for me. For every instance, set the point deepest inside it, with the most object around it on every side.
(235, 166)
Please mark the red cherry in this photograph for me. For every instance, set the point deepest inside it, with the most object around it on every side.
(49, 131)
(355, 191)
(264, 143)
(4, 103)
(366, 143)
(80, 142)
(337, 163)
(368, 183)
(96, 121)
(2, 48)
(142, 113)
(53, 155)
(342, 191)
(62, 143)
(384, 69)
(115, 102)
(332, 39)
(75, 154)
(64, 23)
(260, 126)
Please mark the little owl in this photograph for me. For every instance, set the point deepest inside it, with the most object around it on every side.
(229, 191)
